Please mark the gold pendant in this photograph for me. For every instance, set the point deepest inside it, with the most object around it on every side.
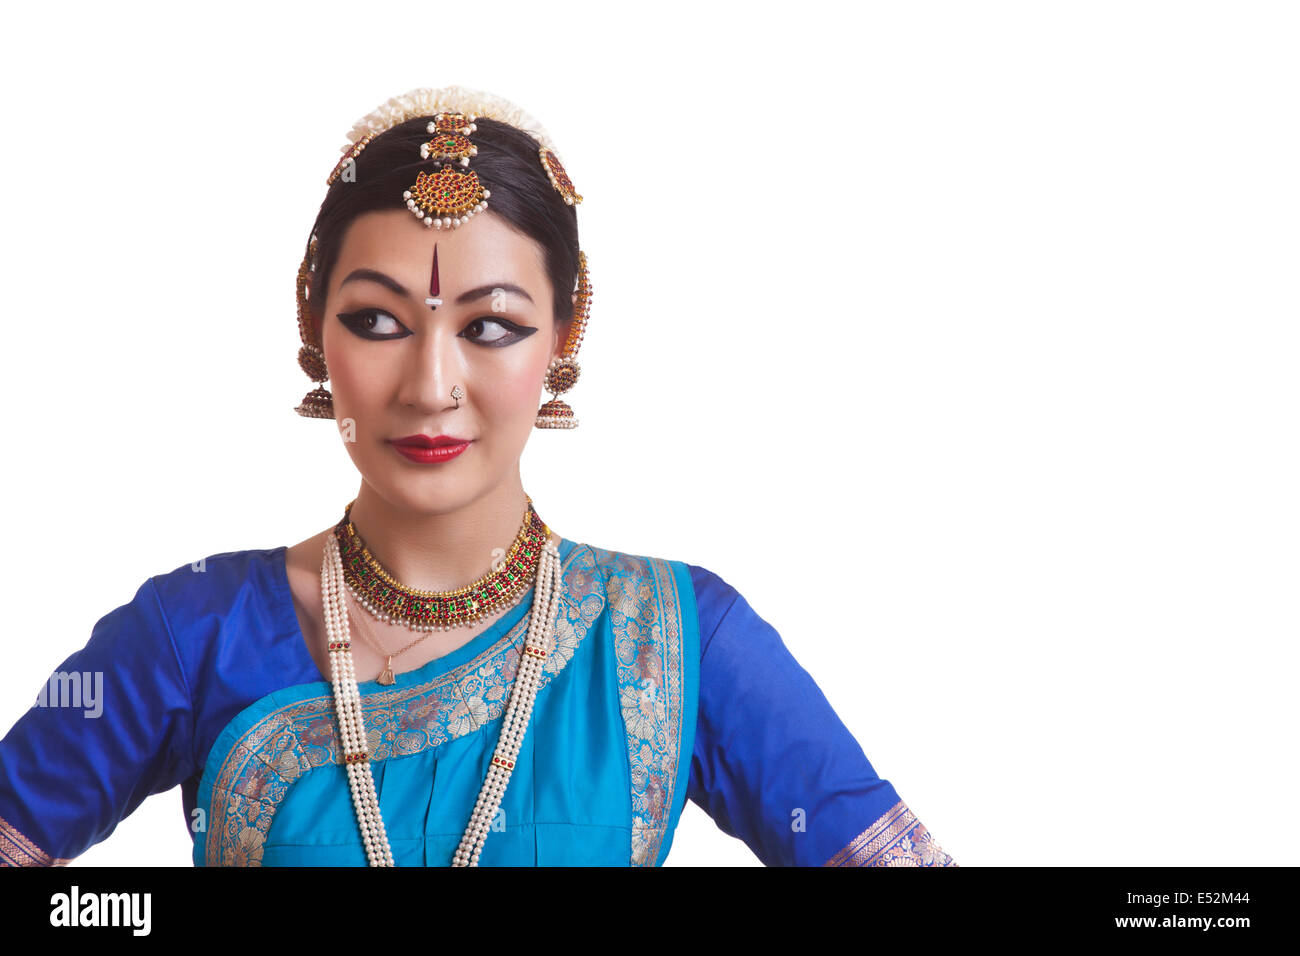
(387, 678)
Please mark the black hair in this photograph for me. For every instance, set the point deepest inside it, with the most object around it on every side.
(508, 166)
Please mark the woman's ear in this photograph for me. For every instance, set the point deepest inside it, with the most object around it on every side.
(560, 337)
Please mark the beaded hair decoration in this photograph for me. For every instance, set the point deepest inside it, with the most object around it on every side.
(449, 197)
(446, 199)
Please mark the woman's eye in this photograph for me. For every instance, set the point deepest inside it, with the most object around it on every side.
(373, 324)
(496, 332)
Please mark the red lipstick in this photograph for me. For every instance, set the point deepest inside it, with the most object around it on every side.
(426, 450)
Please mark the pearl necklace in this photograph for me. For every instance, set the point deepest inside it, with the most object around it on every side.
(514, 723)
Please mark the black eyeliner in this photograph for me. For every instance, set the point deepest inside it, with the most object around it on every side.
(370, 334)
(520, 332)
(515, 332)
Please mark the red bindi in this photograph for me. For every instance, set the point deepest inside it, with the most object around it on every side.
(433, 301)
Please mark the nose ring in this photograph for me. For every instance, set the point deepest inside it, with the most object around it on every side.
(457, 393)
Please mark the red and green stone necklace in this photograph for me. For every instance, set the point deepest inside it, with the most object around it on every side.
(392, 602)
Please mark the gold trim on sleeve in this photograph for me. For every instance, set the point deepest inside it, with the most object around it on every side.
(897, 838)
(17, 850)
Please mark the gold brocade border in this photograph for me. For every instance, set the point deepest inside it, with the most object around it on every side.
(270, 755)
(17, 850)
(645, 613)
(897, 838)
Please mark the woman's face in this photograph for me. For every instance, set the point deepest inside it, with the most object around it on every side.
(393, 359)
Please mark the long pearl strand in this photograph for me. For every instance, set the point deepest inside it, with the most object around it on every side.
(546, 598)
(514, 725)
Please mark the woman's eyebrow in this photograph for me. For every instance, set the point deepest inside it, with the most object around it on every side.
(388, 282)
(491, 289)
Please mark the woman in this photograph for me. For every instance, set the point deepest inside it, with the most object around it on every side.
(439, 678)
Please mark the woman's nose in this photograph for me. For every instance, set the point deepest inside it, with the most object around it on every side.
(431, 369)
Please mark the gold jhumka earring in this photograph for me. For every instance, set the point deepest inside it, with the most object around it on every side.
(318, 403)
(563, 371)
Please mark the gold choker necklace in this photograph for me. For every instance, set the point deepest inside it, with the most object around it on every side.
(390, 601)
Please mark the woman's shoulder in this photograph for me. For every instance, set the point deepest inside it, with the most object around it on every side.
(712, 594)
(219, 613)
(208, 609)
(615, 558)
(215, 581)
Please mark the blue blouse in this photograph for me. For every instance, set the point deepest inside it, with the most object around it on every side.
(204, 679)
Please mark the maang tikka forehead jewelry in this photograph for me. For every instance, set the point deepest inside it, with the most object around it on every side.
(446, 199)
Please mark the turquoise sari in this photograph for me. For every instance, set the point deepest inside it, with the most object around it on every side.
(599, 779)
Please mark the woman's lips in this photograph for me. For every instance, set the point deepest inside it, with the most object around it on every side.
(425, 450)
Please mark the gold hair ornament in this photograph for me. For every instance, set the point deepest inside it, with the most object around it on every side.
(448, 198)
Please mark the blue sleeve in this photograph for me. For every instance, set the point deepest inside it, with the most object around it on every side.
(112, 725)
(773, 764)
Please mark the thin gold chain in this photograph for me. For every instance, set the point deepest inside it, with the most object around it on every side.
(369, 635)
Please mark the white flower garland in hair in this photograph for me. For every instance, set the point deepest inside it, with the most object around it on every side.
(458, 99)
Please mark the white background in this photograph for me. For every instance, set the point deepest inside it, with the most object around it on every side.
(959, 337)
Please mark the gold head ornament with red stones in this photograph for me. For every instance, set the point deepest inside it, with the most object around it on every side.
(448, 198)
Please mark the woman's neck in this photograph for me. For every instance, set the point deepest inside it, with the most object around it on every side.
(440, 552)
